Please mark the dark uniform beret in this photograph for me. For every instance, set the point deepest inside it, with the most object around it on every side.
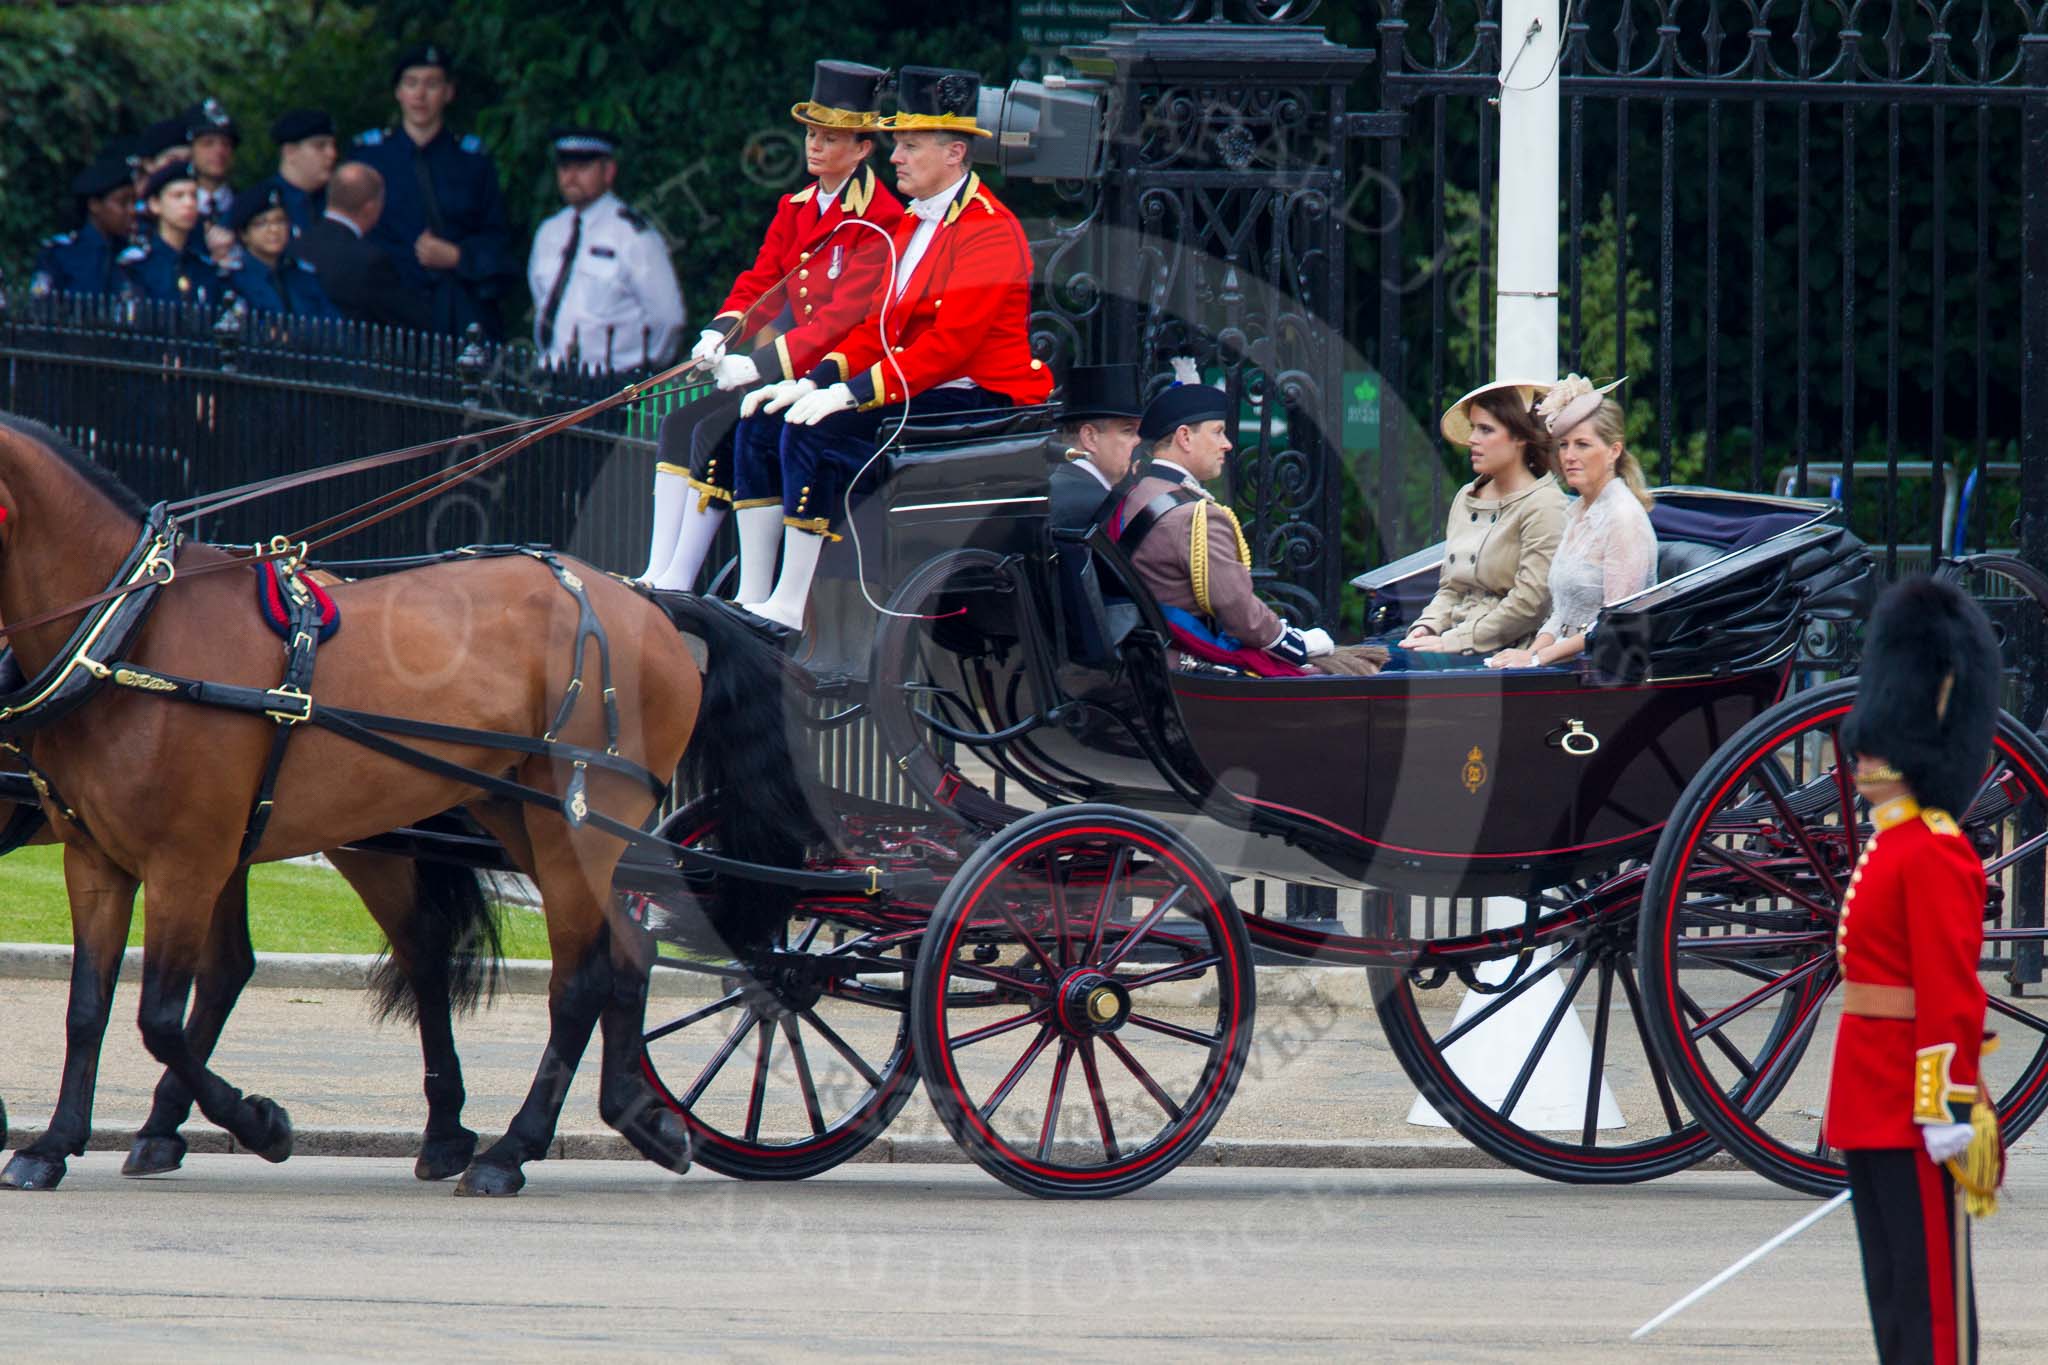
(250, 204)
(582, 143)
(160, 137)
(106, 174)
(167, 175)
(1183, 405)
(423, 54)
(300, 124)
(210, 116)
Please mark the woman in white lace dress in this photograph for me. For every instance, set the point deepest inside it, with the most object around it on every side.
(1608, 550)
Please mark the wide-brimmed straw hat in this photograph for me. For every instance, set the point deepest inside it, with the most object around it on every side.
(1572, 400)
(1456, 423)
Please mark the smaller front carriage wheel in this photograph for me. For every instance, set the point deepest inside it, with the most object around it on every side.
(1083, 1002)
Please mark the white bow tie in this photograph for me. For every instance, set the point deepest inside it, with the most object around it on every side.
(931, 210)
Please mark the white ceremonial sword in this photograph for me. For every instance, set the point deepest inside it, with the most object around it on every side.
(1745, 1263)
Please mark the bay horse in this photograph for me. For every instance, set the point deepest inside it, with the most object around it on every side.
(156, 792)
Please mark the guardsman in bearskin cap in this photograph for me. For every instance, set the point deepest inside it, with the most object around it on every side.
(1904, 1104)
(809, 284)
(949, 332)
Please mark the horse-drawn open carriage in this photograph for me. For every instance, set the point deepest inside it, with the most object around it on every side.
(1661, 832)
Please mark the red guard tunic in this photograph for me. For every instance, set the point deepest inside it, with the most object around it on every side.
(965, 314)
(837, 272)
(1913, 921)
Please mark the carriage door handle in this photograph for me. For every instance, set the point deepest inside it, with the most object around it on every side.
(1575, 739)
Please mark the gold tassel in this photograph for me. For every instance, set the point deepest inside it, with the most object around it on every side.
(1980, 1170)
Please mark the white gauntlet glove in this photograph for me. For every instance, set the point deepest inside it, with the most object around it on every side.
(1318, 642)
(775, 397)
(1945, 1141)
(710, 348)
(814, 408)
(731, 372)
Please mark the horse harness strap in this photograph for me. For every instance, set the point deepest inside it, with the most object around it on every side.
(303, 620)
(1138, 527)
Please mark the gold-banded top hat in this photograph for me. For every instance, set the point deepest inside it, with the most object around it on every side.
(936, 99)
(1456, 423)
(844, 95)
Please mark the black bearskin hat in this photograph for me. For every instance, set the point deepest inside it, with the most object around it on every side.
(1927, 698)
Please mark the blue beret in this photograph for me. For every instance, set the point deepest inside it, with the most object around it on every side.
(1183, 405)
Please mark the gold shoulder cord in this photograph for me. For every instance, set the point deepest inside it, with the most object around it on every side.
(1198, 558)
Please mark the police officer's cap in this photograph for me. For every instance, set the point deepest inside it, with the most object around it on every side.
(168, 175)
(1183, 405)
(160, 137)
(106, 174)
(253, 203)
(210, 116)
(300, 124)
(1927, 693)
(424, 54)
(581, 143)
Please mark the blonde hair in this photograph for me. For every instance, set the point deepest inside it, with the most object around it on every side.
(1610, 427)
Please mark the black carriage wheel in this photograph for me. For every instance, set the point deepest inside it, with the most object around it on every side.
(1083, 1002)
(784, 1075)
(1740, 911)
(1587, 967)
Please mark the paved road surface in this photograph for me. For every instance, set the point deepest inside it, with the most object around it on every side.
(336, 1258)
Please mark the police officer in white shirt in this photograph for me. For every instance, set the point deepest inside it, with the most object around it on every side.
(604, 292)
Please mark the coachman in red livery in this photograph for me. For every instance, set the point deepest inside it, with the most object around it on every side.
(810, 283)
(1904, 1087)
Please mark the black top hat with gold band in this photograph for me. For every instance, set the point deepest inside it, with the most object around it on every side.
(936, 99)
(844, 95)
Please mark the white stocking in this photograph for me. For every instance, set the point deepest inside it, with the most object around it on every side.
(760, 538)
(671, 493)
(693, 542)
(800, 551)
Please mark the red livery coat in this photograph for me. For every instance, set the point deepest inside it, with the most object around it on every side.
(837, 272)
(964, 315)
(1913, 917)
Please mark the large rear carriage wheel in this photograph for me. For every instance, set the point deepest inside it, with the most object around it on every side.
(1083, 1002)
(1739, 918)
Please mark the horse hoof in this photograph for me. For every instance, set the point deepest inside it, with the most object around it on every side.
(270, 1136)
(30, 1172)
(440, 1158)
(664, 1139)
(154, 1155)
(487, 1179)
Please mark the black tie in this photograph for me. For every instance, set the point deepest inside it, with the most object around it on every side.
(554, 303)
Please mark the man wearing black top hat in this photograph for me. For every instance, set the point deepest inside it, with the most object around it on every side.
(306, 154)
(604, 290)
(82, 261)
(1098, 433)
(443, 224)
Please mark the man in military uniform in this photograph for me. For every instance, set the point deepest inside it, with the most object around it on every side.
(306, 155)
(443, 224)
(604, 289)
(949, 332)
(1190, 553)
(1098, 435)
(167, 265)
(1905, 1078)
(213, 137)
(809, 284)
(82, 261)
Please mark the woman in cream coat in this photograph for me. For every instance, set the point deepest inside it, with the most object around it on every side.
(1493, 589)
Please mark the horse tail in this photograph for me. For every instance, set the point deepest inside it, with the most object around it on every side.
(455, 938)
(740, 750)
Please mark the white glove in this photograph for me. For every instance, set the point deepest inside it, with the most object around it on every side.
(735, 372)
(1319, 642)
(710, 348)
(776, 396)
(814, 408)
(1945, 1141)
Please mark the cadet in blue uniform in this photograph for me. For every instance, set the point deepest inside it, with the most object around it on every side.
(169, 264)
(270, 278)
(443, 224)
(213, 138)
(82, 261)
(305, 163)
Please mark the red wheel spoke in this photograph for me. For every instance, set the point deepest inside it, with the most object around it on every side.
(1145, 926)
(2018, 1015)
(1665, 1097)
(1756, 874)
(1776, 788)
(693, 1017)
(1599, 1068)
(1106, 904)
(1507, 997)
(999, 1028)
(1845, 792)
(718, 1059)
(764, 1044)
(1794, 1046)
(1144, 1077)
(1186, 1035)
(1049, 1130)
(1024, 937)
(839, 1045)
(1015, 983)
(1058, 890)
(1015, 1074)
(1522, 1077)
(1109, 1148)
(1178, 972)
(803, 1075)
(1756, 997)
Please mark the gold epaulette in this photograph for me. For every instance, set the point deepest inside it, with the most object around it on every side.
(1940, 821)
